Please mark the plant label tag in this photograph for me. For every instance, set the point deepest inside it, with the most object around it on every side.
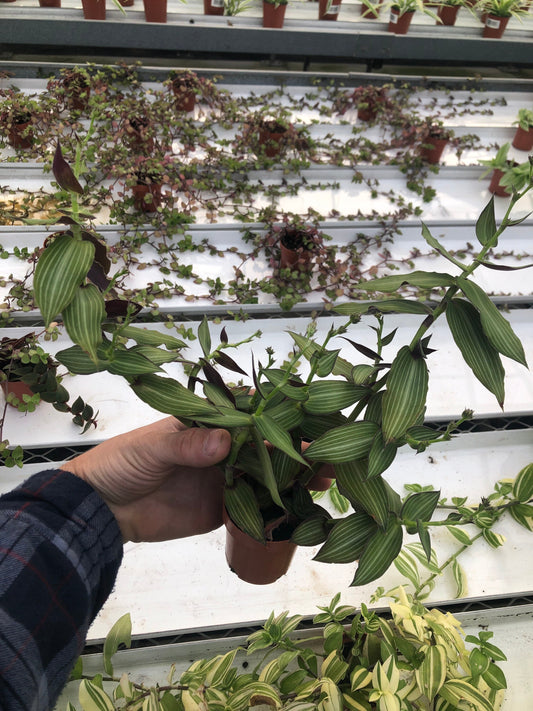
(334, 10)
(492, 23)
(394, 18)
(217, 3)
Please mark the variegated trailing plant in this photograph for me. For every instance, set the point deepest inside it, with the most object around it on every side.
(415, 658)
(289, 420)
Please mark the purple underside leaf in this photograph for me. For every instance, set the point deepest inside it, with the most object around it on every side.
(504, 267)
(119, 307)
(63, 173)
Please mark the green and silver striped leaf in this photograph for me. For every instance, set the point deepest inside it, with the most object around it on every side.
(423, 280)
(494, 677)
(456, 691)
(311, 532)
(158, 356)
(92, 698)
(285, 468)
(495, 326)
(420, 506)
(400, 306)
(83, 317)
(243, 509)
(405, 396)
(334, 667)
(272, 432)
(371, 495)
(431, 674)
(170, 396)
(379, 553)
(343, 444)
(77, 361)
(61, 269)
(347, 539)
(328, 396)
(226, 417)
(309, 347)
(523, 484)
(479, 354)
(147, 336)
(287, 414)
(381, 455)
(130, 364)
(277, 377)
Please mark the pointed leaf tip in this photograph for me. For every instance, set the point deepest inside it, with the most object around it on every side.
(63, 173)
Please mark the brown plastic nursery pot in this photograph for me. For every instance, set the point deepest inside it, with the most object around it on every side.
(184, 98)
(432, 154)
(494, 26)
(155, 10)
(126, 3)
(368, 14)
(255, 562)
(93, 9)
(271, 140)
(16, 138)
(18, 389)
(213, 7)
(494, 187)
(399, 24)
(331, 13)
(50, 3)
(147, 198)
(523, 140)
(273, 16)
(448, 14)
(296, 258)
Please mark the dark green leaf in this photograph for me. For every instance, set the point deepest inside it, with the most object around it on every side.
(420, 506)
(400, 306)
(371, 495)
(486, 223)
(405, 396)
(423, 280)
(280, 438)
(347, 539)
(147, 336)
(204, 337)
(379, 553)
(311, 532)
(381, 455)
(78, 361)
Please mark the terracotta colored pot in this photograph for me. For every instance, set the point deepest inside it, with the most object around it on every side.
(523, 140)
(319, 483)
(78, 96)
(141, 202)
(15, 137)
(448, 14)
(93, 9)
(126, 3)
(273, 16)
(433, 154)
(495, 186)
(370, 112)
(137, 137)
(18, 389)
(155, 10)
(333, 13)
(213, 7)
(399, 24)
(298, 259)
(272, 141)
(50, 3)
(494, 26)
(185, 98)
(255, 562)
(7, 0)
(367, 13)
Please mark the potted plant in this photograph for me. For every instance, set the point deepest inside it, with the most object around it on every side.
(523, 139)
(500, 165)
(328, 9)
(214, 7)
(296, 243)
(447, 11)
(497, 14)
(417, 658)
(370, 10)
(434, 139)
(95, 9)
(402, 12)
(18, 117)
(155, 10)
(72, 88)
(274, 13)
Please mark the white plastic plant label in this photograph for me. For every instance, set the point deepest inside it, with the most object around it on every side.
(217, 3)
(492, 23)
(334, 10)
(394, 18)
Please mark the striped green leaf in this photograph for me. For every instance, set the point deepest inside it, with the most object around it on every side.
(119, 634)
(92, 698)
(272, 432)
(360, 677)
(311, 532)
(327, 396)
(478, 352)
(460, 579)
(334, 667)
(287, 414)
(158, 356)
(326, 363)
(293, 392)
(479, 662)
(314, 426)
(379, 553)
(267, 477)
(343, 444)
(522, 514)
(77, 361)
(417, 549)
(356, 702)
(423, 280)
(130, 364)
(400, 306)
(486, 224)
(459, 691)
(495, 326)
(431, 674)
(243, 509)
(460, 535)
(372, 495)
(420, 506)
(333, 697)
(381, 455)
(226, 417)
(59, 272)
(216, 395)
(523, 484)
(309, 347)
(494, 677)
(83, 317)
(406, 565)
(219, 671)
(405, 396)
(285, 468)
(204, 337)
(170, 396)
(147, 336)
(257, 692)
(347, 539)
(495, 540)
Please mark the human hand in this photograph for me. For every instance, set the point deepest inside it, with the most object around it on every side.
(160, 481)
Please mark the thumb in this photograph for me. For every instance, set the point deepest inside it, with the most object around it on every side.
(196, 447)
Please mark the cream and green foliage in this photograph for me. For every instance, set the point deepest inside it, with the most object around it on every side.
(353, 413)
(416, 659)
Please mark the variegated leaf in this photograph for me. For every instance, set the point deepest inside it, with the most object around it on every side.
(243, 509)
(83, 317)
(423, 280)
(431, 674)
(343, 444)
(347, 539)
(379, 553)
(326, 396)
(170, 396)
(405, 397)
(456, 691)
(370, 494)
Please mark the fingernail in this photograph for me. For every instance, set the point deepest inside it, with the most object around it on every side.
(212, 443)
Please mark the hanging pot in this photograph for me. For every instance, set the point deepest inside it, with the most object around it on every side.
(494, 26)
(18, 388)
(399, 24)
(213, 7)
(255, 562)
(435, 147)
(331, 13)
(93, 9)
(523, 140)
(147, 198)
(273, 16)
(495, 186)
(448, 14)
(155, 10)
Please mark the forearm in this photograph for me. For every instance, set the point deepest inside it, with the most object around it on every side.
(60, 549)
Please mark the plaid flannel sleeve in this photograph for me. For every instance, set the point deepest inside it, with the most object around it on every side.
(60, 550)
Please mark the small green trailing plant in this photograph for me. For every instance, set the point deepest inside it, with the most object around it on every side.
(353, 414)
(417, 658)
(525, 119)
